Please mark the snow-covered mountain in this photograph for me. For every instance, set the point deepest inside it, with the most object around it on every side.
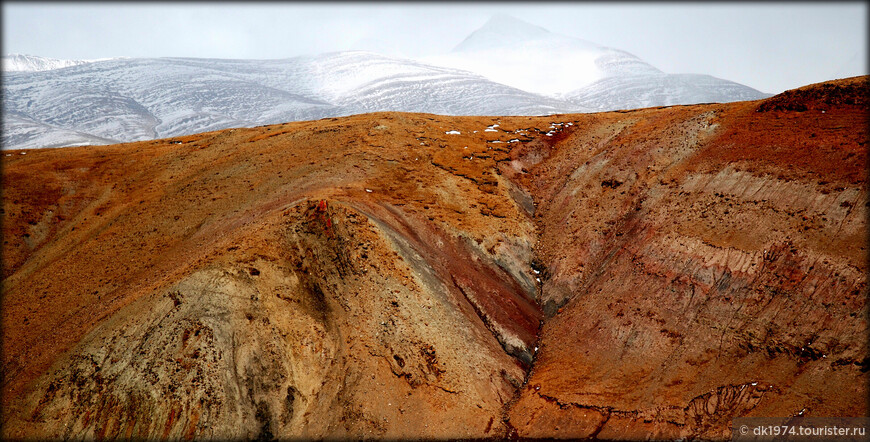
(33, 63)
(528, 57)
(658, 89)
(139, 99)
(508, 67)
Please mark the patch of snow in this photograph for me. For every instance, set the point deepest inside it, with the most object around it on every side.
(452, 132)
(85, 143)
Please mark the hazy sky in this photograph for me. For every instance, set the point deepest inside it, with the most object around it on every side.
(768, 46)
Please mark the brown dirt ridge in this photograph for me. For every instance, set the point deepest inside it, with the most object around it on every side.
(649, 273)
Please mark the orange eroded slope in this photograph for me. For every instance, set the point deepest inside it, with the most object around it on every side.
(380, 275)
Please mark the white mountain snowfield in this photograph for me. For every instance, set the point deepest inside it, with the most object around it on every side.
(507, 67)
(32, 63)
(141, 99)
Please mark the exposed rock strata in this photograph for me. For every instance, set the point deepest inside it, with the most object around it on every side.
(380, 276)
(702, 264)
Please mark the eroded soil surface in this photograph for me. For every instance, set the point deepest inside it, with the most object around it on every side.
(635, 274)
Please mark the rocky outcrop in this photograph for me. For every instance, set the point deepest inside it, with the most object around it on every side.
(318, 330)
(648, 273)
(702, 263)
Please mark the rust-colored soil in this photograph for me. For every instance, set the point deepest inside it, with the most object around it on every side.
(647, 273)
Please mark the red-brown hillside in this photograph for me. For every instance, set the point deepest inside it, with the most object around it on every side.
(646, 273)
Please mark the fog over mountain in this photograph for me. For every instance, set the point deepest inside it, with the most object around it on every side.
(507, 67)
(516, 53)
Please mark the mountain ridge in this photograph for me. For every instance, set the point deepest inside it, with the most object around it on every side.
(538, 73)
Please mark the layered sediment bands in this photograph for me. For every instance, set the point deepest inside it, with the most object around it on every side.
(311, 329)
(702, 263)
(341, 278)
(382, 275)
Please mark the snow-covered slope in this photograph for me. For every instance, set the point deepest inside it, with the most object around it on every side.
(507, 67)
(649, 90)
(20, 131)
(139, 99)
(519, 54)
(33, 63)
(367, 82)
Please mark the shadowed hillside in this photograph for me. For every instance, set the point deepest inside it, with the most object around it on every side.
(645, 273)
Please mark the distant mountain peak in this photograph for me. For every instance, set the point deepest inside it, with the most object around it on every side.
(506, 67)
(514, 52)
(503, 30)
(502, 22)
